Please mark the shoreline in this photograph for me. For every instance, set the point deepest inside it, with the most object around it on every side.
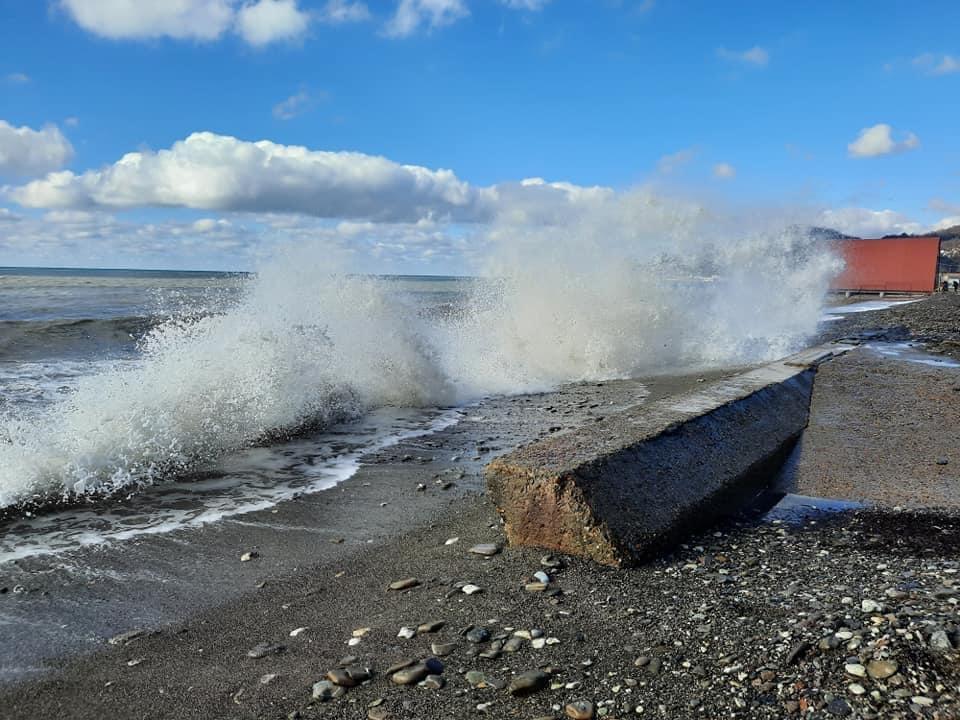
(99, 591)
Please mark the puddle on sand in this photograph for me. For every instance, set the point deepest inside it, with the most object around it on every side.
(909, 353)
(798, 509)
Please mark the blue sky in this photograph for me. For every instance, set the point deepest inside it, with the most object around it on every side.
(747, 103)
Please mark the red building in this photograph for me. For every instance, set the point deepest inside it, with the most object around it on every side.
(898, 264)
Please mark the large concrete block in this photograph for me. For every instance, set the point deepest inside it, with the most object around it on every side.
(620, 490)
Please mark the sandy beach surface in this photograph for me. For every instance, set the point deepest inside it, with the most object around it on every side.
(806, 612)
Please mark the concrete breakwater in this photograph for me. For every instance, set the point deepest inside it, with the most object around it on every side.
(620, 489)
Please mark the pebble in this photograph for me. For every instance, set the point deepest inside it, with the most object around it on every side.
(471, 589)
(922, 700)
(838, 707)
(551, 561)
(349, 676)
(411, 674)
(399, 666)
(298, 631)
(856, 688)
(404, 584)
(430, 627)
(476, 678)
(870, 606)
(452, 541)
(541, 576)
(248, 556)
(939, 640)
(579, 710)
(326, 690)
(433, 682)
(485, 549)
(406, 633)
(513, 644)
(442, 649)
(262, 650)
(478, 635)
(881, 669)
(855, 669)
(529, 682)
(378, 713)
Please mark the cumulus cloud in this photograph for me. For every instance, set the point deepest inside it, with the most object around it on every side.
(878, 140)
(937, 64)
(863, 222)
(756, 56)
(411, 15)
(269, 21)
(724, 171)
(258, 22)
(221, 173)
(339, 12)
(25, 152)
(122, 19)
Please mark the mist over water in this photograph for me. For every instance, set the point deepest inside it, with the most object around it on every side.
(625, 284)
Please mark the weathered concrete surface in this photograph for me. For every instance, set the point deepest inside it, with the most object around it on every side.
(618, 490)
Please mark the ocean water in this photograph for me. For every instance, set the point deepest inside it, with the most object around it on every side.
(194, 396)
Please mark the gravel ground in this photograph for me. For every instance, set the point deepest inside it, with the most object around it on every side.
(851, 616)
(934, 321)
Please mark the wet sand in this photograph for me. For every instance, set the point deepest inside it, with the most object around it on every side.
(882, 431)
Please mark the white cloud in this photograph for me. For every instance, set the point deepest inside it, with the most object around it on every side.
(215, 172)
(221, 173)
(863, 222)
(754, 56)
(724, 171)
(268, 21)
(412, 14)
(669, 164)
(338, 12)
(947, 222)
(530, 5)
(26, 152)
(291, 107)
(71, 121)
(17, 78)
(258, 22)
(136, 19)
(878, 140)
(937, 65)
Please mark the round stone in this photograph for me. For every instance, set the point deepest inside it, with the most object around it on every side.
(529, 682)
(855, 669)
(579, 710)
(881, 669)
(410, 675)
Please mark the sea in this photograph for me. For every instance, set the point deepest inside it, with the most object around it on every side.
(111, 428)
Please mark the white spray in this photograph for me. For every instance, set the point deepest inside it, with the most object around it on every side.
(628, 284)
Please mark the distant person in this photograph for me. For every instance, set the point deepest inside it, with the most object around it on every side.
(944, 286)
(956, 285)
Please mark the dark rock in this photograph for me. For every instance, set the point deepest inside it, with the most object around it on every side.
(529, 682)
